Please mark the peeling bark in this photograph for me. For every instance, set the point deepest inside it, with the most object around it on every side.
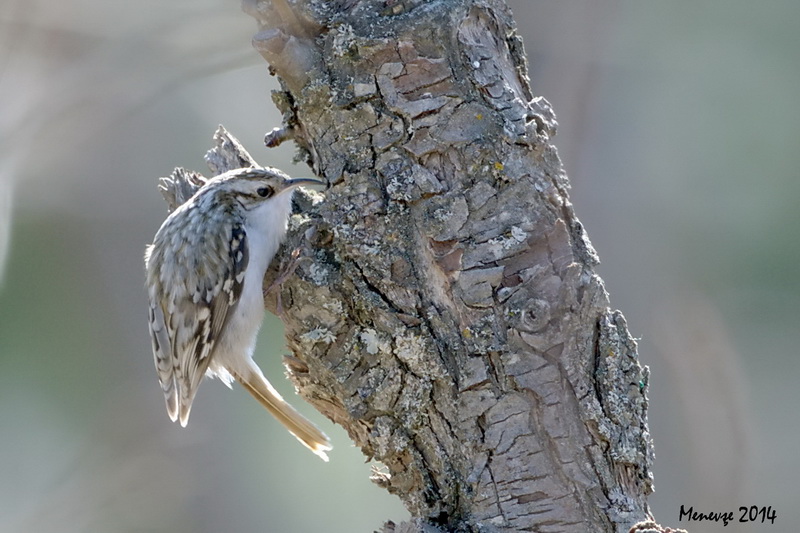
(445, 310)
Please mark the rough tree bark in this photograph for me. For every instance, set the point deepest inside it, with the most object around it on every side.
(445, 310)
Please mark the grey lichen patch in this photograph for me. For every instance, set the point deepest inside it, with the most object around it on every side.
(374, 343)
(415, 352)
(446, 216)
(482, 336)
(385, 438)
(400, 186)
(344, 40)
(355, 205)
(407, 181)
(334, 306)
(319, 274)
(326, 313)
(411, 407)
(317, 335)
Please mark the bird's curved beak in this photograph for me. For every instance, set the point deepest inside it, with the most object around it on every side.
(307, 182)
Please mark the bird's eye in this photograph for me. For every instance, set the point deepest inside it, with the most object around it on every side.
(264, 192)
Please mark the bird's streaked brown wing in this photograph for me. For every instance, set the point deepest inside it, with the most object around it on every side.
(186, 321)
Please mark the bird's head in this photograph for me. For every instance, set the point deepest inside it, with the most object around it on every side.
(252, 187)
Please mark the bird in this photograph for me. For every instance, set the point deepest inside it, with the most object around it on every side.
(204, 275)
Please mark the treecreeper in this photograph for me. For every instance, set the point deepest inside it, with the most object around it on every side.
(205, 270)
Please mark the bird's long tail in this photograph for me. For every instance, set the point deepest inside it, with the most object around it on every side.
(306, 432)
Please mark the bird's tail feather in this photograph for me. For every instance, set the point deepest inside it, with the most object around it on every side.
(306, 432)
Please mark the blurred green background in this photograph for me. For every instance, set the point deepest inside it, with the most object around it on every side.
(679, 128)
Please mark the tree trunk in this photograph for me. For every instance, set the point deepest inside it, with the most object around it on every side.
(444, 308)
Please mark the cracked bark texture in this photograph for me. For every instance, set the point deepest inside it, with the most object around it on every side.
(444, 309)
